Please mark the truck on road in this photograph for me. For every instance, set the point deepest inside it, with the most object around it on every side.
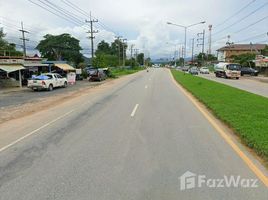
(47, 81)
(228, 70)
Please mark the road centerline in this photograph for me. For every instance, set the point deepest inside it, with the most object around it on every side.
(134, 110)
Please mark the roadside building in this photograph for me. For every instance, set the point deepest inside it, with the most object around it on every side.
(225, 53)
(261, 63)
(14, 71)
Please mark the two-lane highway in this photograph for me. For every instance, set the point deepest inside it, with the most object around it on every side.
(129, 141)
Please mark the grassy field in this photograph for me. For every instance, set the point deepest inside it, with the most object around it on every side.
(244, 112)
(117, 72)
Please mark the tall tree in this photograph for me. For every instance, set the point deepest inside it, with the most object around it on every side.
(61, 47)
(103, 48)
(118, 46)
(6, 48)
(140, 58)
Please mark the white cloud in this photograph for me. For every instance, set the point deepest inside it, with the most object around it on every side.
(141, 22)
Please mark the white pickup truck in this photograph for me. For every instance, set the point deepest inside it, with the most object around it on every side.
(47, 81)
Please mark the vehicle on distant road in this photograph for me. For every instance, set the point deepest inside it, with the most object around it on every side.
(47, 81)
(204, 70)
(249, 71)
(97, 75)
(228, 70)
(193, 71)
(185, 68)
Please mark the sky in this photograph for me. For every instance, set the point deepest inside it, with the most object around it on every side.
(142, 23)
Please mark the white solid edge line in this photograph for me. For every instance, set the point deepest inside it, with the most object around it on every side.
(35, 131)
(134, 110)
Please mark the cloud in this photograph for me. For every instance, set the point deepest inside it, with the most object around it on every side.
(143, 23)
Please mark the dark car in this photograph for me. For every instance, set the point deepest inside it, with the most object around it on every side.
(193, 71)
(185, 68)
(97, 75)
(249, 71)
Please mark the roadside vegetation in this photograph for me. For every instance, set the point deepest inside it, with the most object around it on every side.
(244, 112)
(117, 72)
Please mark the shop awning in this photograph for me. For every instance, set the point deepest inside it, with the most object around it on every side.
(65, 67)
(11, 68)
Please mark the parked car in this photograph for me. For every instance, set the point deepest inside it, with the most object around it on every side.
(47, 81)
(193, 71)
(97, 75)
(249, 71)
(204, 70)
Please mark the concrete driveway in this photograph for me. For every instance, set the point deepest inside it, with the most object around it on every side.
(250, 84)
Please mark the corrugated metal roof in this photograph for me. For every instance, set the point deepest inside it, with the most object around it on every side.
(65, 67)
(241, 47)
(11, 68)
(35, 65)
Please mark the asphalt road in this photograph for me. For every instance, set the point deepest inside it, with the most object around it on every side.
(244, 83)
(130, 140)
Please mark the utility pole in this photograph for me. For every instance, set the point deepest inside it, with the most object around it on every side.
(201, 42)
(192, 50)
(124, 59)
(131, 54)
(136, 54)
(209, 39)
(23, 39)
(119, 55)
(92, 37)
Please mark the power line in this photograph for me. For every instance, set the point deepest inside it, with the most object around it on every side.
(52, 6)
(243, 18)
(254, 37)
(53, 12)
(244, 28)
(84, 13)
(256, 22)
(236, 13)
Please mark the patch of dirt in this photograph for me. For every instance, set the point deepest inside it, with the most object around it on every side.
(22, 110)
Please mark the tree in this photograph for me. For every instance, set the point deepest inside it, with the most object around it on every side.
(264, 52)
(60, 47)
(245, 60)
(115, 49)
(140, 58)
(103, 48)
(7, 48)
(105, 60)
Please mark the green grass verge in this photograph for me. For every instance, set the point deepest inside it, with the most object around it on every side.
(117, 72)
(244, 112)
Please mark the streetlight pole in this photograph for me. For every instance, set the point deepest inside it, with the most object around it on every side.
(185, 35)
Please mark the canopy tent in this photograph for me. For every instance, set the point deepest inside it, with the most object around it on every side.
(65, 67)
(11, 68)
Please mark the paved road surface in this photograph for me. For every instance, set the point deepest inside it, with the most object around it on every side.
(244, 83)
(129, 141)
